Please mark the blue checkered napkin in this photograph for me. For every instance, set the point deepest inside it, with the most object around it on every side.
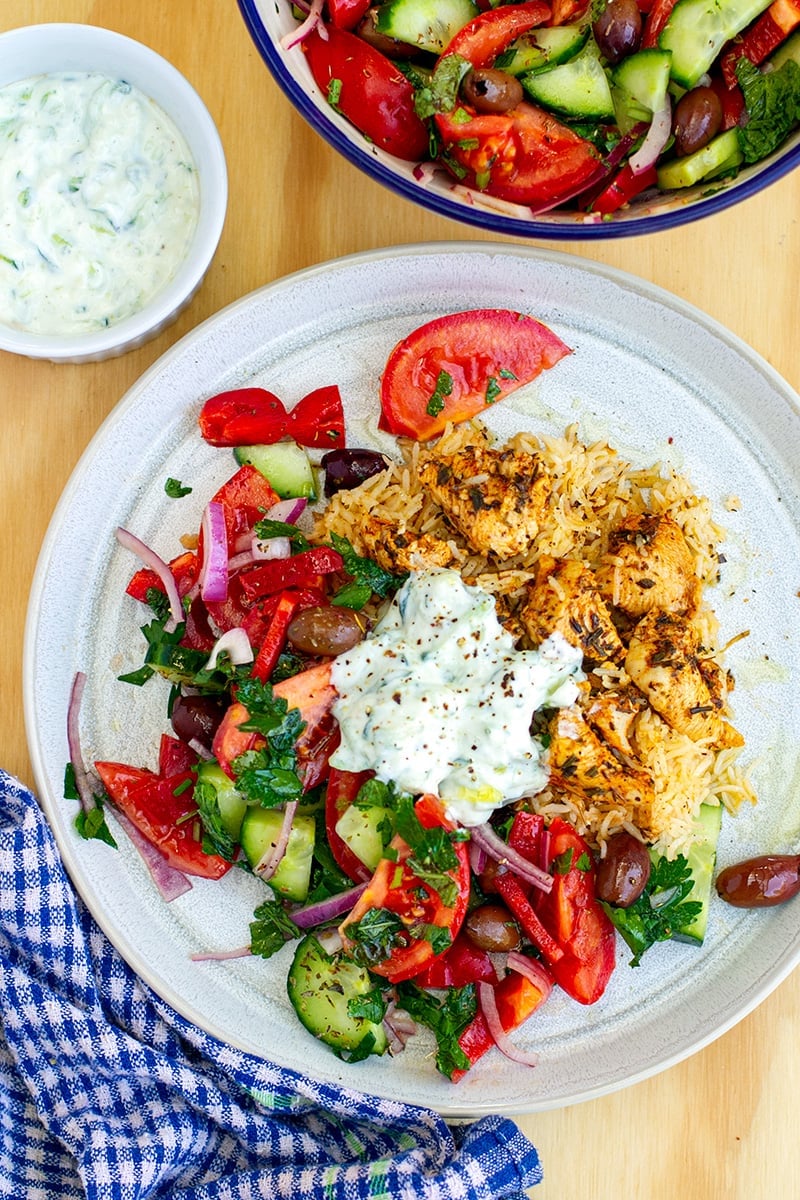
(105, 1092)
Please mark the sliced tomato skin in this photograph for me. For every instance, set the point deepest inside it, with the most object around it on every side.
(242, 417)
(371, 92)
(462, 964)
(482, 349)
(487, 35)
(317, 420)
(341, 790)
(150, 803)
(524, 155)
(395, 887)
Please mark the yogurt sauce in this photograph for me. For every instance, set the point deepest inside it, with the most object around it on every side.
(99, 201)
(438, 700)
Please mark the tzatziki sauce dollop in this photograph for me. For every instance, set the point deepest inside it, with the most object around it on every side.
(99, 202)
(437, 699)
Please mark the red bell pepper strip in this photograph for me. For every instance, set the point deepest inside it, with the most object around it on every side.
(512, 892)
(463, 963)
(318, 419)
(517, 998)
(275, 637)
(657, 18)
(243, 417)
(245, 497)
(487, 35)
(277, 574)
(763, 36)
(184, 569)
(525, 835)
(622, 189)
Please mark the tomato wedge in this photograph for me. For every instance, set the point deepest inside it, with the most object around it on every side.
(242, 417)
(159, 807)
(368, 89)
(396, 888)
(456, 366)
(487, 35)
(572, 912)
(524, 155)
(318, 419)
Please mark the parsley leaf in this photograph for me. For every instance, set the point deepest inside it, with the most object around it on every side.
(368, 577)
(661, 910)
(444, 387)
(269, 775)
(90, 825)
(267, 528)
(216, 838)
(438, 91)
(448, 1018)
(433, 856)
(271, 928)
(375, 936)
(175, 489)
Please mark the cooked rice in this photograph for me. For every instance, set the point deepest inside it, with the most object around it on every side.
(593, 490)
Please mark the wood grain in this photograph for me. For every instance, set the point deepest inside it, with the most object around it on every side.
(721, 1125)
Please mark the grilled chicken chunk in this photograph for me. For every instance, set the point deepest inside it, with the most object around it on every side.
(664, 661)
(649, 565)
(495, 498)
(397, 551)
(612, 716)
(564, 598)
(582, 763)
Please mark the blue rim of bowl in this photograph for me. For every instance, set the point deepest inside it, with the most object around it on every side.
(483, 218)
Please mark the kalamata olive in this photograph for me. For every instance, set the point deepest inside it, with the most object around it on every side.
(390, 47)
(760, 882)
(346, 469)
(491, 927)
(622, 873)
(491, 91)
(197, 718)
(618, 29)
(696, 120)
(327, 630)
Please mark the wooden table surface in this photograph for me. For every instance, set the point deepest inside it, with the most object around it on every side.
(721, 1125)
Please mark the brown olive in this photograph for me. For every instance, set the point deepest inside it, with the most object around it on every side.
(327, 630)
(697, 119)
(760, 882)
(618, 29)
(196, 718)
(622, 873)
(491, 91)
(491, 927)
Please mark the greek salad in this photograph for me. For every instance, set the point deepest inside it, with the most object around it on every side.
(540, 104)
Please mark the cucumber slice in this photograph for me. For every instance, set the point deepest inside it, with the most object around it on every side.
(320, 989)
(578, 88)
(367, 832)
(259, 835)
(702, 857)
(230, 801)
(639, 86)
(696, 31)
(543, 48)
(180, 664)
(428, 24)
(722, 154)
(285, 464)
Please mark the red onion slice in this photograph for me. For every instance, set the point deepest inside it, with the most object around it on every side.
(655, 140)
(214, 570)
(489, 841)
(295, 36)
(83, 782)
(149, 557)
(488, 1003)
(270, 862)
(236, 644)
(287, 511)
(221, 955)
(326, 910)
(170, 882)
(532, 969)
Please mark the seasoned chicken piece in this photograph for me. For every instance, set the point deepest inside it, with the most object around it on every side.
(563, 598)
(509, 618)
(396, 550)
(663, 660)
(649, 565)
(582, 763)
(495, 498)
(612, 714)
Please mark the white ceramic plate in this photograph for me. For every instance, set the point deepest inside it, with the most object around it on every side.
(655, 377)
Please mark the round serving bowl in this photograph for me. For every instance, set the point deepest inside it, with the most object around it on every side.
(39, 50)
(271, 23)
